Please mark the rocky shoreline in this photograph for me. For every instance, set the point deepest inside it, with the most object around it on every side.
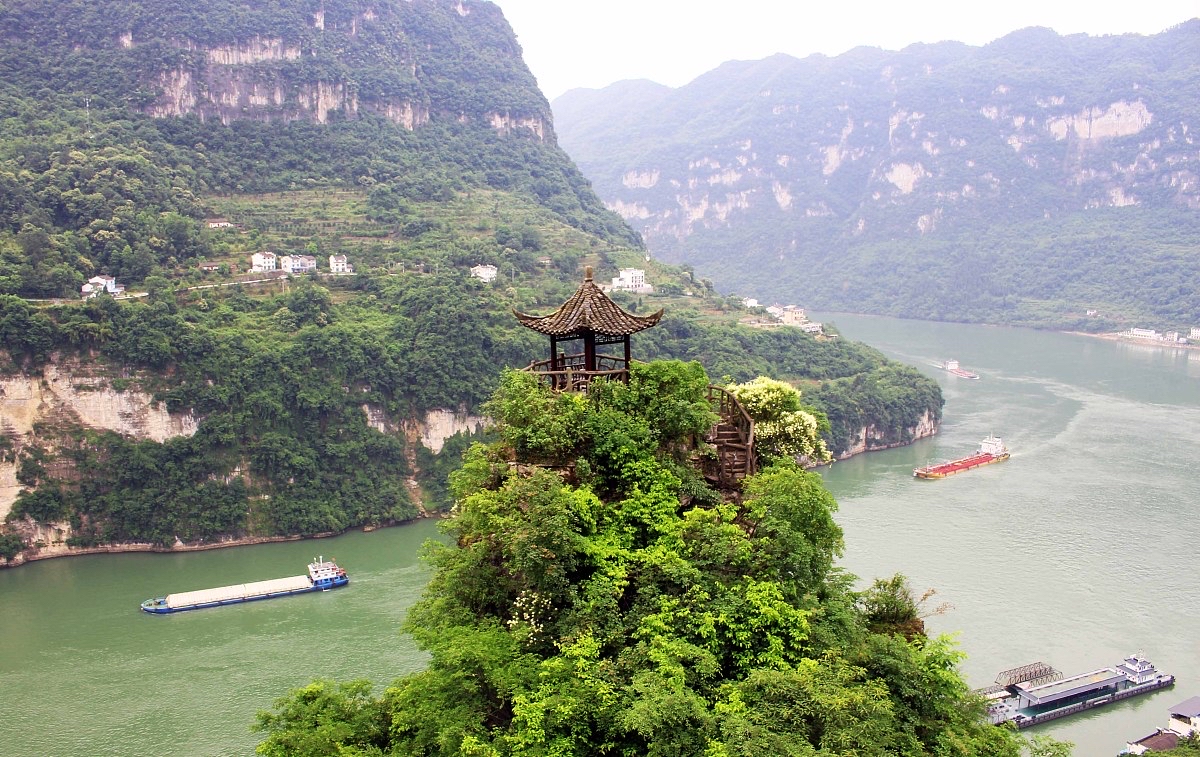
(55, 551)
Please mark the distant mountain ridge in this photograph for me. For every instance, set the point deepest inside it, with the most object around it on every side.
(1026, 181)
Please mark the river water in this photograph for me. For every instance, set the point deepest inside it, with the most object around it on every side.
(1078, 551)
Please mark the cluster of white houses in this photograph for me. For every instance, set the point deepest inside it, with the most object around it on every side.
(263, 262)
(1169, 337)
(784, 315)
(627, 280)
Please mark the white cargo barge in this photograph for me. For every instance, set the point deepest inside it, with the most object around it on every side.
(322, 575)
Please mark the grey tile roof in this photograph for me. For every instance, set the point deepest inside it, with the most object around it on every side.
(1188, 708)
(589, 309)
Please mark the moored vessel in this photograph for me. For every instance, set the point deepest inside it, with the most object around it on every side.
(1036, 693)
(322, 575)
(991, 450)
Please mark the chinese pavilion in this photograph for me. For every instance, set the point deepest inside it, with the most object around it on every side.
(591, 317)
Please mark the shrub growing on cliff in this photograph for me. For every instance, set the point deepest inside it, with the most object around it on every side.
(11, 546)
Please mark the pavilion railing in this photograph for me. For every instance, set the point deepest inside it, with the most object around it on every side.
(568, 373)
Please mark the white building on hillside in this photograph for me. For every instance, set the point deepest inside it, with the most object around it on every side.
(631, 280)
(486, 273)
(338, 264)
(101, 285)
(297, 263)
(261, 262)
(793, 316)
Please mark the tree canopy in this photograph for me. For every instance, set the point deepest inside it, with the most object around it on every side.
(597, 597)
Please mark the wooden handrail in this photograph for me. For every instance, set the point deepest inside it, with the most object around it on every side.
(567, 373)
(732, 414)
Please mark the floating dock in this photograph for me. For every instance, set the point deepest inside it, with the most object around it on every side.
(322, 575)
(1036, 693)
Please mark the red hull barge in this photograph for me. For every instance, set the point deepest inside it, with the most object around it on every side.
(991, 450)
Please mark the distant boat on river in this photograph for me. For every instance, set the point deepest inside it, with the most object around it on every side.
(952, 366)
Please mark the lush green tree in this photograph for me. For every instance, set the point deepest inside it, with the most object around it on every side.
(584, 603)
(325, 718)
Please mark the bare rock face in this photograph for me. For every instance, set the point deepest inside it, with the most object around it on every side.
(440, 425)
(431, 431)
(77, 393)
(869, 439)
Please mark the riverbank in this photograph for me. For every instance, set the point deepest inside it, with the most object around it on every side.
(1111, 337)
(54, 551)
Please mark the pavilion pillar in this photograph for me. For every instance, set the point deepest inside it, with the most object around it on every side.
(589, 351)
(554, 366)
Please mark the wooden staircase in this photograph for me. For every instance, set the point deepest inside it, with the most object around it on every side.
(733, 440)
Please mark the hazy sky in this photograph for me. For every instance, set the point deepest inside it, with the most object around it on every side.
(593, 43)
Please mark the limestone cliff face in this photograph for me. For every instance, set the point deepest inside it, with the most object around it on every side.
(440, 425)
(432, 430)
(72, 393)
(77, 393)
(409, 61)
(389, 58)
(894, 143)
(870, 439)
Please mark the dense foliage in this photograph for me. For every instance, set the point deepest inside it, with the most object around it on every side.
(598, 598)
(1027, 181)
(282, 386)
(279, 385)
(91, 184)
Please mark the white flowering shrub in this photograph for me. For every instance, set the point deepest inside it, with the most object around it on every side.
(783, 427)
(529, 614)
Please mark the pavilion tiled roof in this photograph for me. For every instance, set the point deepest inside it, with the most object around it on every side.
(589, 309)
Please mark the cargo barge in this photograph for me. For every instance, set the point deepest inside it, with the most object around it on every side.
(1037, 693)
(952, 366)
(322, 575)
(991, 450)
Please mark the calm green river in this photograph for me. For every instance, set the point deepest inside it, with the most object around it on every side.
(1078, 551)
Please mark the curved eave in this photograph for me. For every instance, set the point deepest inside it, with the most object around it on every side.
(558, 326)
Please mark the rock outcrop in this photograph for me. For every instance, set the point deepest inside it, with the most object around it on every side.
(869, 439)
(75, 392)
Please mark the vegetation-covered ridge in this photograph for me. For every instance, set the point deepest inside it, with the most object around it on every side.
(597, 597)
(1039, 180)
(407, 137)
(95, 180)
(284, 383)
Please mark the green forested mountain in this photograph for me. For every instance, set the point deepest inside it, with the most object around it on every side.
(408, 137)
(1030, 180)
(119, 119)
